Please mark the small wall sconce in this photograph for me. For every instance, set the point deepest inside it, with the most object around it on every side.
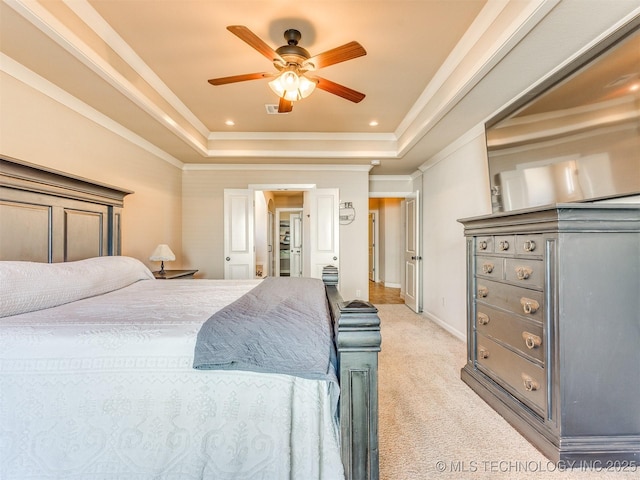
(162, 253)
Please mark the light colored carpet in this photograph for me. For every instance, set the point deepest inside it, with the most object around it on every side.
(432, 425)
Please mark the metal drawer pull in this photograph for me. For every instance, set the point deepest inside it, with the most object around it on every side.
(487, 267)
(482, 245)
(523, 273)
(482, 291)
(529, 306)
(483, 353)
(532, 341)
(530, 385)
(483, 318)
(529, 246)
(504, 245)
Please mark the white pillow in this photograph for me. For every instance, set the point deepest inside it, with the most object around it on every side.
(29, 286)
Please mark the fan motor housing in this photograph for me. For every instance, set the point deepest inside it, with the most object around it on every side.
(291, 52)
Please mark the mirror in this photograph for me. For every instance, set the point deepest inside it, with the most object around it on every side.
(577, 136)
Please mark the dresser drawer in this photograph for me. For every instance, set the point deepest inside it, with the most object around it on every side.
(490, 267)
(484, 245)
(522, 301)
(504, 244)
(530, 245)
(525, 272)
(518, 333)
(516, 374)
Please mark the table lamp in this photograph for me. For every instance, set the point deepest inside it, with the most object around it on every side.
(162, 253)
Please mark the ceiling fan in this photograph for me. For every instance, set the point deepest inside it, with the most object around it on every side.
(293, 63)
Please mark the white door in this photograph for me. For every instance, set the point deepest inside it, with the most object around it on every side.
(412, 258)
(372, 246)
(295, 252)
(322, 212)
(270, 245)
(239, 261)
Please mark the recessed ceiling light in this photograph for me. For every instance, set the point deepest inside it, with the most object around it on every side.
(634, 87)
(229, 123)
(373, 123)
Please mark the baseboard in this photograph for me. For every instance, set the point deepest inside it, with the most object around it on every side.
(391, 285)
(460, 335)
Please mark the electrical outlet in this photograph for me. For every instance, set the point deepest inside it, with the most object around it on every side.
(358, 293)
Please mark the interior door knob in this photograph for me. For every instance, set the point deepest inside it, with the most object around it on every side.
(228, 259)
(335, 258)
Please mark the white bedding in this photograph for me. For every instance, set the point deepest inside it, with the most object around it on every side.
(103, 388)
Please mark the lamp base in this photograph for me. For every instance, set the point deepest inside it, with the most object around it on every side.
(162, 272)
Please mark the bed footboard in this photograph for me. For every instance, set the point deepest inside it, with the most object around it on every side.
(357, 330)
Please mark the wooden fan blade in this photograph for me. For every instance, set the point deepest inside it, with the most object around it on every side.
(336, 55)
(246, 35)
(340, 90)
(240, 78)
(285, 106)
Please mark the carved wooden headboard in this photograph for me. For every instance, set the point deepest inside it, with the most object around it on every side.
(49, 216)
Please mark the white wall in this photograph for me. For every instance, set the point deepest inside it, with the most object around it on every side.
(37, 129)
(456, 186)
(202, 218)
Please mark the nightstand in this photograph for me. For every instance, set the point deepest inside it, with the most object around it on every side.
(174, 274)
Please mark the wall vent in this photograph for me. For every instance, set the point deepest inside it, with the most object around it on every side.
(273, 109)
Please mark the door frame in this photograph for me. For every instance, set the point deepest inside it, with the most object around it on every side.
(406, 194)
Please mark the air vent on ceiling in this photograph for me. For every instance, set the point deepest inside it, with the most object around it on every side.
(273, 109)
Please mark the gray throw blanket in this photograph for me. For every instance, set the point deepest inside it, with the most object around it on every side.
(281, 326)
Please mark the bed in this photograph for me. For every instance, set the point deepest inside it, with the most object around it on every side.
(97, 357)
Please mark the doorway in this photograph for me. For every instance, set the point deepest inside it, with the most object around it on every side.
(247, 245)
(379, 294)
(385, 244)
(289, 241)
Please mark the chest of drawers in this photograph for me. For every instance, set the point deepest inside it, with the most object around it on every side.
(553, 327)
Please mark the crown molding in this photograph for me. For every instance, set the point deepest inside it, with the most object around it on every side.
(45, 87)
(41, 18)
(100, 27)
(392, 178)
(424, 116)
(272, 167)
(304, 136)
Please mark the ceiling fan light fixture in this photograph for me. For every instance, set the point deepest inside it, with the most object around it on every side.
(293, 61)
(285, 83)
(306, 86)
(292, 87)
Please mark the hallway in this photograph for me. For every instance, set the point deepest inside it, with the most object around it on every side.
(379, 294)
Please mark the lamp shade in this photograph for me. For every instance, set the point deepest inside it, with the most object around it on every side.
(292, 87)
(162, 253)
